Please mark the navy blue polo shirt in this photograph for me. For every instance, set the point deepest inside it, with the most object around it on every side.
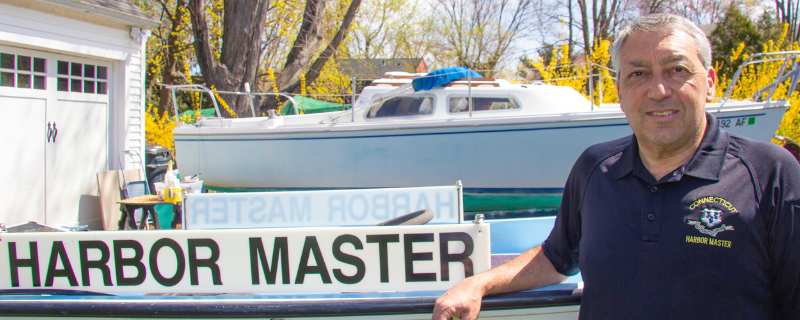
(715, 239)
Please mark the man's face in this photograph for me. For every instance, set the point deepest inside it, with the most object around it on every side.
(663, 88)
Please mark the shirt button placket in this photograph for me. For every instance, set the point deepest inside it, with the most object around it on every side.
(651, 220)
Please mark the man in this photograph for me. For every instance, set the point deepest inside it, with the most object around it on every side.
(679, 220)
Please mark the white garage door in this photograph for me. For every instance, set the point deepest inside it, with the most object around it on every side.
(22, 161)
(57, 107)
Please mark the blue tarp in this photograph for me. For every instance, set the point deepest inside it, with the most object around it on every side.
(445, 76)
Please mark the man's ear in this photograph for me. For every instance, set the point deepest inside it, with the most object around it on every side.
(616, 86)
(711, 77)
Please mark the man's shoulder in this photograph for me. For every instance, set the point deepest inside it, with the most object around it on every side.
(598, 153)
(758, 153)
(770, 164)
(604, 150)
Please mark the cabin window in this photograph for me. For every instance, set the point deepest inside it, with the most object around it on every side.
(461, 104)
(402, 106)
(22, 71)
(79, 77)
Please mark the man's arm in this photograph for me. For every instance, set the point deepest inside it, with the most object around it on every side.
(530, 270)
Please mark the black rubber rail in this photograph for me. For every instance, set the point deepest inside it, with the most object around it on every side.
(255, 307)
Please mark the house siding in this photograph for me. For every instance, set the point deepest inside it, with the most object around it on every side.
(31, 26)
(136, 104)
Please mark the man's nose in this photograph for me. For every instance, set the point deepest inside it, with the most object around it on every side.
(658, 88)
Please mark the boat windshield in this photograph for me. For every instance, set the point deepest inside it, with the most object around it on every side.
(461, 104)
(402, 106)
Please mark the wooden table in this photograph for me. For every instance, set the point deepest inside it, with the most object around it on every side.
(147, 203)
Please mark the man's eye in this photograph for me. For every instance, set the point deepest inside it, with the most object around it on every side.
(637, 74)
(680, 69)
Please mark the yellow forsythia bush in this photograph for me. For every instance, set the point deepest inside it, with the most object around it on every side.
(563, 71)
(755, 77)
(158, 129)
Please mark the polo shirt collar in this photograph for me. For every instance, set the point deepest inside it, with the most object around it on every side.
(706, 163)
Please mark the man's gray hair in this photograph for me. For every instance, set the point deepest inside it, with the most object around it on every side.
(663, 21)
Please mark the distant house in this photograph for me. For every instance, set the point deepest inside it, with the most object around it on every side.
(708, 29)
(366, 70)
(72, 93)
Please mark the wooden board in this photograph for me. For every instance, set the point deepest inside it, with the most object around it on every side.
(110, 187)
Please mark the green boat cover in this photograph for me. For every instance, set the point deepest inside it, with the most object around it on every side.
(307, 105)
(210, 112)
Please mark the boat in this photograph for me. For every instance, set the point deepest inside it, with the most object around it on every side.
(316, 271)
(512, 145)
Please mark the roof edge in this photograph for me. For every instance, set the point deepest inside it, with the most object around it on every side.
(101, 13)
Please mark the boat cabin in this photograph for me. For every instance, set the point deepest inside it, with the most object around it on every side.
(392, 99)
(490, 98)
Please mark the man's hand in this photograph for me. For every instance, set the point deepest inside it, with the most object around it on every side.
(529, 270)
(462, 301)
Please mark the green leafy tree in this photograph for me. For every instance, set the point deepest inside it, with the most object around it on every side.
(737, 28)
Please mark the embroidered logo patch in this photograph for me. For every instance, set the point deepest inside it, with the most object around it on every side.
(709, 219)
(711, 215)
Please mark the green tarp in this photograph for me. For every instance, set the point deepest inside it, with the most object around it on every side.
(210, 112)
(308, 105)
(304, 106)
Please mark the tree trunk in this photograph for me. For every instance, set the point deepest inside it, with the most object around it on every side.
(313, 73)
(240, 54)
(569, 25)
(309, 40)
(587, 44)
(306, 44)
(168, 73)
(594, 20)
(604, 20)
(788, 12)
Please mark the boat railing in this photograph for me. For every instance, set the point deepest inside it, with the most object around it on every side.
(786, 56)
(401, 90)
(212, 93)
(590, 79)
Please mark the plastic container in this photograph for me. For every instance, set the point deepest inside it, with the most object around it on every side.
(193, 187)
(159, 187)
(174, 193)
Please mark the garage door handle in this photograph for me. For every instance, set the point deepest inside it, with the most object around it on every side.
(55, 132)
(49, 131)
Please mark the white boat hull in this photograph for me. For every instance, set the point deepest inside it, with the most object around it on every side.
(531, 155)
